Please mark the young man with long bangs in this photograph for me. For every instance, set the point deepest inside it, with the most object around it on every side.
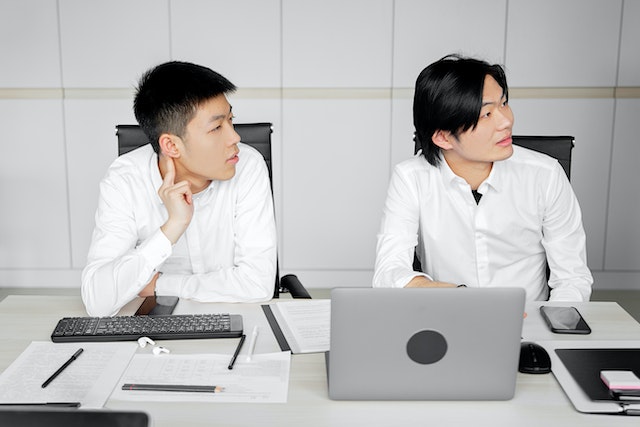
(477, 210)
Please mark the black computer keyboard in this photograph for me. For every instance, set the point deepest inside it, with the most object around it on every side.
(130, 328)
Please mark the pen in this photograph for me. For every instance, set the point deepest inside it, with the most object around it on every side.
(252, 343)
(62, 368)
(172, 387)
(235, 354)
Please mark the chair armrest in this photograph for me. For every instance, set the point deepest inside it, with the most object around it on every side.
(290, 283)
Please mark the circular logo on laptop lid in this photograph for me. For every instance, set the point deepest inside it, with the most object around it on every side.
(426, 347)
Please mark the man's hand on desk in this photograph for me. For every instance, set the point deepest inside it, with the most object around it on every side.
(150, 289)
(423, 282)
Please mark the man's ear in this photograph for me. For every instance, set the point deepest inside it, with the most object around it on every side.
(442, 139)
(169, 145)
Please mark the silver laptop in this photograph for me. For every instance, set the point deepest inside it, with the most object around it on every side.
(424, 344)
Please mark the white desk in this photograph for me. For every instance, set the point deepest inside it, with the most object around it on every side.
(539, 400)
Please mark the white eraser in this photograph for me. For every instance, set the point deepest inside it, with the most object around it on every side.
(620, 380)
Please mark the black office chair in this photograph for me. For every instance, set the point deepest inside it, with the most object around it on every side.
(558, 147)
(257, 135)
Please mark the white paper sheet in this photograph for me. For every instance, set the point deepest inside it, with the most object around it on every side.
(305, 324)
(89, 379)
(263, 380)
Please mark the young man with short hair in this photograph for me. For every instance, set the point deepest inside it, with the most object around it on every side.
(188, 215)
(477, 210)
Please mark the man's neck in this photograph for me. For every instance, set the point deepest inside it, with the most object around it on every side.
(197, 185)
(473, 172)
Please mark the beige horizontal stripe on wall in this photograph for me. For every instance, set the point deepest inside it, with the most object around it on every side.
(322, 93)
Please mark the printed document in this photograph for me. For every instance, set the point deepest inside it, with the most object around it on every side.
(89, 379)
(305, 324)
(265, 379)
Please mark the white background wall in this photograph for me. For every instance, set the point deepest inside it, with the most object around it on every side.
(335, 77)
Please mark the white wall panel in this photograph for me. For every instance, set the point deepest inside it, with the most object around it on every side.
(29, 44)
(333, 149)
(590, 121)
(34, 230)
(425, 31)
(337, 43)
(335, 174)
(623, 226)
(401, 130)
(109, 44)
(240, 39)
(568, 43)
(91, 147)
(629, 72)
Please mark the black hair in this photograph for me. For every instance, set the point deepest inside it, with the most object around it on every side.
(448, 97)
(169, 95)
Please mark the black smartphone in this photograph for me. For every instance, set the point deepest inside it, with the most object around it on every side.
(157, 306)
(564, 320)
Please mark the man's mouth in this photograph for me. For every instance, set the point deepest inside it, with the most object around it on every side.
(505, 142)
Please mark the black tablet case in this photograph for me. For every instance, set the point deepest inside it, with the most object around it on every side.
(585, 365)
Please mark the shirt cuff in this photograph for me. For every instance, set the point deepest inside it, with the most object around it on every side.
(566, 294)
(169, 284)
(156, 249)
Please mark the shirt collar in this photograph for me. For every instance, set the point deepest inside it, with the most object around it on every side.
(496, 176)
(448, 177)
(154, 174)
(494, 180)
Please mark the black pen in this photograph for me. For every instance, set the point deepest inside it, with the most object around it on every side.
(235, 355)
(174, 387)
(62, 368)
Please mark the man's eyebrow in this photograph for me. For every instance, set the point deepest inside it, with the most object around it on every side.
(222, 116)
(485, 103)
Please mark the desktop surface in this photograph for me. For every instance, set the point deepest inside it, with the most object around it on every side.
(539, 399)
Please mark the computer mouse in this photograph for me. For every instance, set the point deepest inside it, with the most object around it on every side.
(534, 359)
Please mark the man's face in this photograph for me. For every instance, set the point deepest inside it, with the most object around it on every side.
(490, 140)
(210, 145)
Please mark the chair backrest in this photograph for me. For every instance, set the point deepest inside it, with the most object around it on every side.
(558, 147)
(257, 135)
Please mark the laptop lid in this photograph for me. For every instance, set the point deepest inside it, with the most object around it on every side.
(424, 344)
(34, 417)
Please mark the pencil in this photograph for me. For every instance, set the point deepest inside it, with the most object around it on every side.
(174, 387)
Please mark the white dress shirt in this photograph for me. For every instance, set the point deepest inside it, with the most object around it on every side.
(528, 216)
(227, 253)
